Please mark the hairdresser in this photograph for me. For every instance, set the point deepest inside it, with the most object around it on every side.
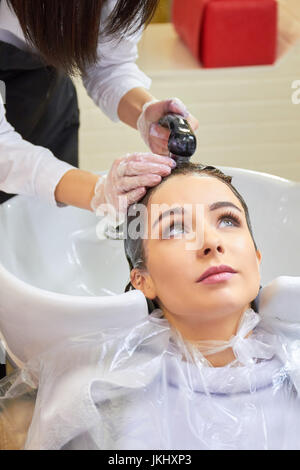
(42, 44)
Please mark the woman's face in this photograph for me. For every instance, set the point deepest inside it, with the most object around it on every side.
(176, 265)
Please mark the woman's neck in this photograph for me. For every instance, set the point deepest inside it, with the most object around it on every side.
(196, 331)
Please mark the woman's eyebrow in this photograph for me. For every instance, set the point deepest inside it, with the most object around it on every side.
(172, 210)
(219, 205)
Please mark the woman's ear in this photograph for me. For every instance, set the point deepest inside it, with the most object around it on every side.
(141, 280)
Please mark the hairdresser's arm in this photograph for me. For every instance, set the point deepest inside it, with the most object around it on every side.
(34, 171)
(121, 90)
(115, 75)
(76, 188)
(131, 106)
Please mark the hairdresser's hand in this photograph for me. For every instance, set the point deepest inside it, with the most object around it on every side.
(128, 180)
(154, 135)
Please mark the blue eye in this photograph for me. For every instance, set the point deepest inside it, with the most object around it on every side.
(179, 228)
(229, 220)
(175, 230)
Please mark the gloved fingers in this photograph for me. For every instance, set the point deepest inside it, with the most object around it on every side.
(135, 195)
(129, 183)
(175, 105)
(125, 166)
(146, 157)
(126, 200)
(128, 178)
(156, 130)
(141, 168)
(159, 132)
(156, 146)
(156, 111)
(159, 139)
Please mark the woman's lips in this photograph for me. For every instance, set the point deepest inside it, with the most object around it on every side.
(217, 278)
(217, 274)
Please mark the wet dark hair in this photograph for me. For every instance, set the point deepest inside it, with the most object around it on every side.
(65, 32)
(134, 248)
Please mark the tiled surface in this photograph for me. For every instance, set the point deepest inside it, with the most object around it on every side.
(246, 115)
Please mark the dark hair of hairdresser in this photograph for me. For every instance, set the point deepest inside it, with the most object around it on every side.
(134, 249)
(65, 32)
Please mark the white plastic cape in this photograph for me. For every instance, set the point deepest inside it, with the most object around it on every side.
(144, 387)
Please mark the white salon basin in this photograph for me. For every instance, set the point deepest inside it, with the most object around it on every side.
(58, 250)
(57, 279)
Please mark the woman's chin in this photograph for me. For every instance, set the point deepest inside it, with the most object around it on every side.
(223, 307)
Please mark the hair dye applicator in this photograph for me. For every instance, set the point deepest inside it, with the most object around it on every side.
(182, 142)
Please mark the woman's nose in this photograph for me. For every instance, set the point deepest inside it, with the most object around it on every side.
(211, 244)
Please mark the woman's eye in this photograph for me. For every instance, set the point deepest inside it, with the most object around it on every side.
(173, 231)
(229, 221)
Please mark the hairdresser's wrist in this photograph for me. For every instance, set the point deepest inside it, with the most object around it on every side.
(131, 106)
(76, 188)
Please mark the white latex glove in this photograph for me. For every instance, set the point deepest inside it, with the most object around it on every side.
(127, 182)
(154, 135)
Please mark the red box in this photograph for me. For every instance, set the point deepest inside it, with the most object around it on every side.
(228, 33)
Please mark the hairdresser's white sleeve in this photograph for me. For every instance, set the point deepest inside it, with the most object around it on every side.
(27, 169)
(116, 72)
